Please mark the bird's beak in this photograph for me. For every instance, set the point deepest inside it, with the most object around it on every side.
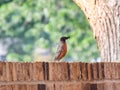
(67, 37)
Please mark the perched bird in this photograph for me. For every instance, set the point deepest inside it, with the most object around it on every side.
(62, 49)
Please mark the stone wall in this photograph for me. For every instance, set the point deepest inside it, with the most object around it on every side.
(59, 76)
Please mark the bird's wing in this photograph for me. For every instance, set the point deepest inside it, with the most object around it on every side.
(59, 52)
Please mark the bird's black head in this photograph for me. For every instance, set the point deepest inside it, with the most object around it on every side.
(64, 38)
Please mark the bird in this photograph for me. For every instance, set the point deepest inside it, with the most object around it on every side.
(62, 48)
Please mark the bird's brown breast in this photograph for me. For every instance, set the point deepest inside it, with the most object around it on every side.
(62, 49)
(63, 52)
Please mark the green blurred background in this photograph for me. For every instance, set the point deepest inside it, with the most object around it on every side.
(30, 31)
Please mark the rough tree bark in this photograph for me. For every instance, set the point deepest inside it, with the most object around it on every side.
(104, 18)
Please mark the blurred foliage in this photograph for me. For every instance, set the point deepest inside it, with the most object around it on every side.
(34, 24)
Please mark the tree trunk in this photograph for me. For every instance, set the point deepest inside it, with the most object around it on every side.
(104, 18)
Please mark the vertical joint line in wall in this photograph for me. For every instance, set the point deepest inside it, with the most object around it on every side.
(54, 86)
(97, 70)
(7, 70)
(68, 68)
(91, 71)
(47, 71)
(43, 67)
(86, 70)
(103, 71)
(80, 70)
